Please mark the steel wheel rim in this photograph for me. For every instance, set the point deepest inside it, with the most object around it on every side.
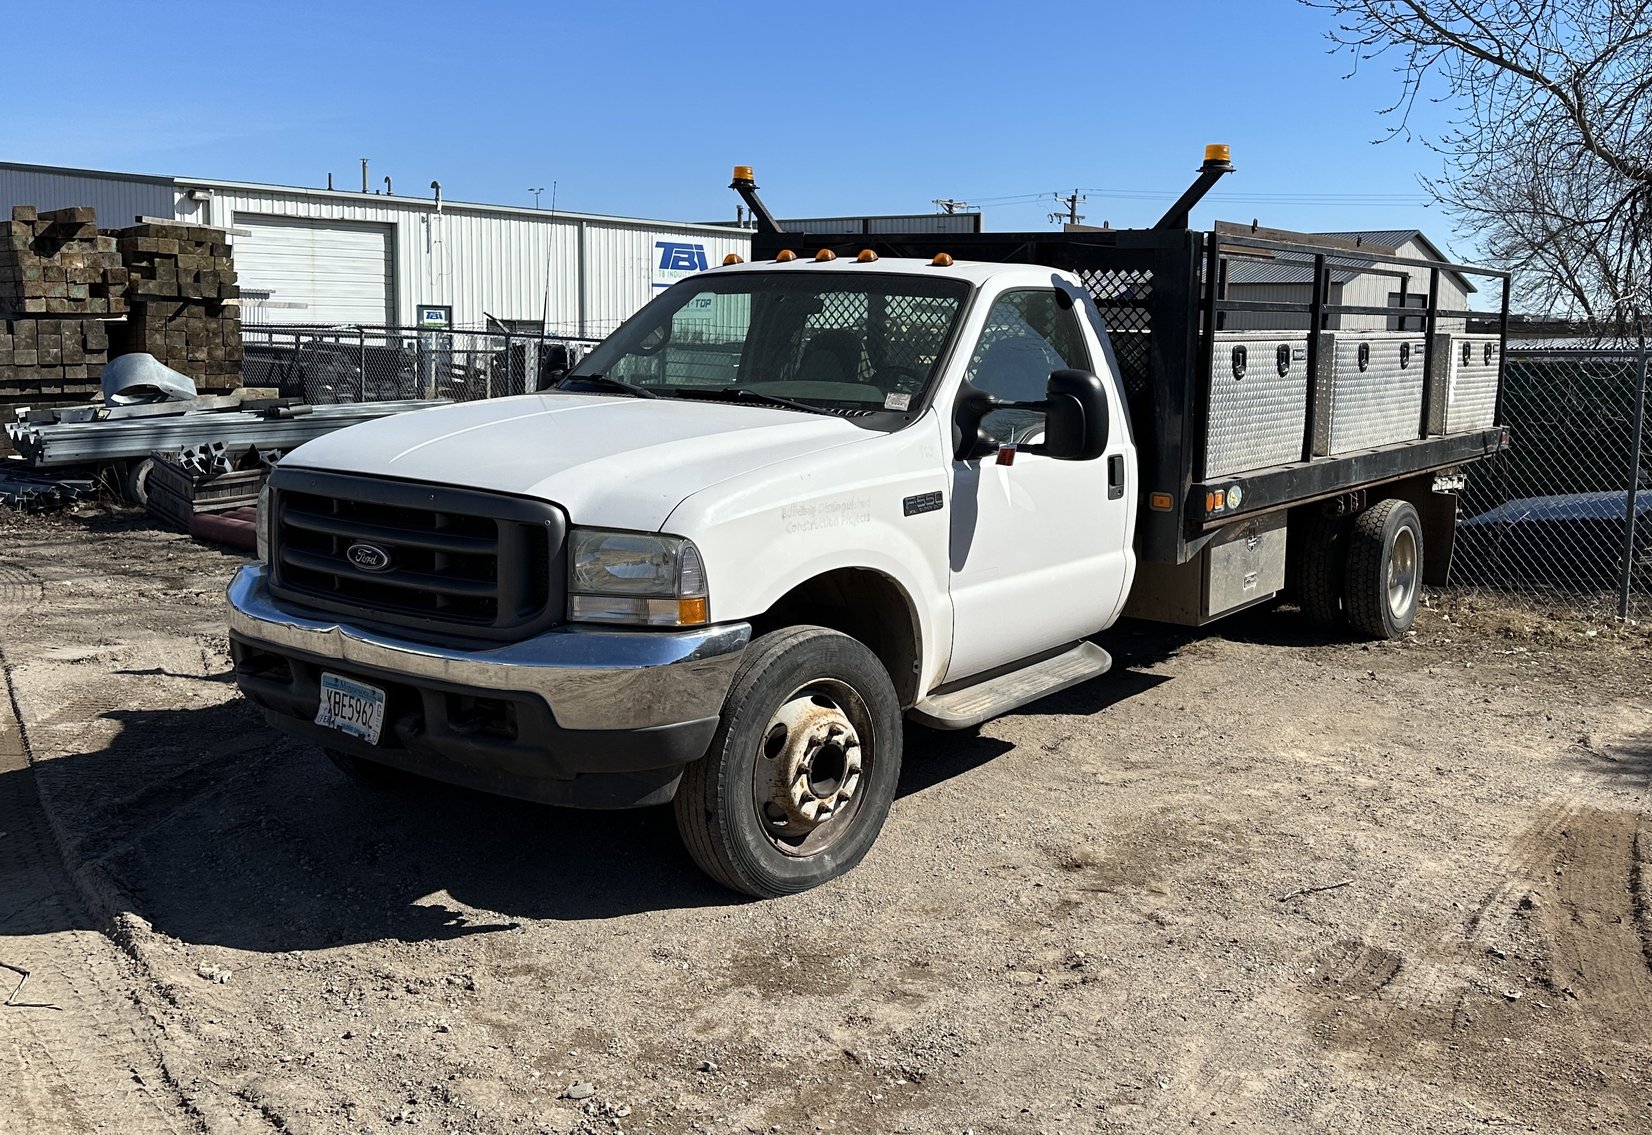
(813, 760)
(1402, 572)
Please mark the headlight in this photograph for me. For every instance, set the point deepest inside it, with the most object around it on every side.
(263, 523)
(635, 577)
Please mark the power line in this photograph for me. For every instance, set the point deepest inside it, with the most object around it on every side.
(1247, 198)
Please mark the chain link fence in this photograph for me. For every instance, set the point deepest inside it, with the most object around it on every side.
(376, 364)
(1564, 517)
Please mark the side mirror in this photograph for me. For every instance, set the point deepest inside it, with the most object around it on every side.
(1076, 421)
(1075, 417)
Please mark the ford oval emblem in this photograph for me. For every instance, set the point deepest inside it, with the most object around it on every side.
(368, 557)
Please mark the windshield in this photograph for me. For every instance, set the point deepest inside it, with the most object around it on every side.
(824, 340)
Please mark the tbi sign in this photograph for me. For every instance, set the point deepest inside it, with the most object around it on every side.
(678, 259)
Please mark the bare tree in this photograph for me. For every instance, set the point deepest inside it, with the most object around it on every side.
(1548, 155)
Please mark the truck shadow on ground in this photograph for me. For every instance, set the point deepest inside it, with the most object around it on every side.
(216, 830)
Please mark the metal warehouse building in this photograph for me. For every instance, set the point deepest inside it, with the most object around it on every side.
(323, 256)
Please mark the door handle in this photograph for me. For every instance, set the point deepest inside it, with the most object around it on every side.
(1115, 476)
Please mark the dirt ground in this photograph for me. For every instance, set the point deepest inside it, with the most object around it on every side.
(1253, 880)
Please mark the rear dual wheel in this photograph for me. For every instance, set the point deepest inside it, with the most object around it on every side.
(1385, 569)
(1363, 572)
(802, 769)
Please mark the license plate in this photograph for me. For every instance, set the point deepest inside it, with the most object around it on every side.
(351, 707)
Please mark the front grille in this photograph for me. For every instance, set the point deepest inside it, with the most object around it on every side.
(434, 557)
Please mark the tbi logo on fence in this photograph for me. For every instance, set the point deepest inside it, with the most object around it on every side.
(677, 260)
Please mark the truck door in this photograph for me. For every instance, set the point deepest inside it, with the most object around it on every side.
(1038, 548)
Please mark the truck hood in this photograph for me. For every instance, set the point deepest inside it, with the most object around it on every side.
(614, 461)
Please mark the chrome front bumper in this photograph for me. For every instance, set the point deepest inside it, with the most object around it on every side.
(591, 678)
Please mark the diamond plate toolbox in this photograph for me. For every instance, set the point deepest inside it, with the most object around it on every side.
(1376, 389)
(1258, 400)
(1471, 394)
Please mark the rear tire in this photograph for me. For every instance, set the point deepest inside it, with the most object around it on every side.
(1321, 568)
(1385, 569)
(802, 769)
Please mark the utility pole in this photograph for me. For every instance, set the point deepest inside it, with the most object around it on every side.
(536, 193)
(1072, 202)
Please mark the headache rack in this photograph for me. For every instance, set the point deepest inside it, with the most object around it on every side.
(1342, 395)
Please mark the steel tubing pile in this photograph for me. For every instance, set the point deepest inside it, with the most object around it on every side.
(88, 443)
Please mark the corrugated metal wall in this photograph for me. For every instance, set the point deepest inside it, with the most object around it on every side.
(510, 264)
(117, 200)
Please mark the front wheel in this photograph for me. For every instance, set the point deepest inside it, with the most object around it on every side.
(802, 769)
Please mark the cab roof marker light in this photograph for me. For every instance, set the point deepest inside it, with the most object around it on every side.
(942, 260)
(733, 258)
(825, 254)
(866, 256)
(785, 256)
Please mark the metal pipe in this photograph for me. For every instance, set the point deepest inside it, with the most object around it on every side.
(364, 175)
(1634, 487)
(1210, 172)
(746, 186)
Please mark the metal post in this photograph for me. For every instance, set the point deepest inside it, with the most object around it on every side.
(361, 332)
(1634, 486)
(1316, 321)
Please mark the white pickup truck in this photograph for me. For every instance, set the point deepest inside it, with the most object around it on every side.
(795, 502)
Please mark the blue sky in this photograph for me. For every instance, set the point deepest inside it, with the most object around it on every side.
(641, 109)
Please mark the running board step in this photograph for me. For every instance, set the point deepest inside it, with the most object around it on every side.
(962, 709)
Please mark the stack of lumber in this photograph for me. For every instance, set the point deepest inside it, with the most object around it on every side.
(179, 279)
(55, 358)
(58, 263)
(60, 278)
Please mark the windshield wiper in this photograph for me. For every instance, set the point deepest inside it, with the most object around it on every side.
(606, 383)
(747, 394)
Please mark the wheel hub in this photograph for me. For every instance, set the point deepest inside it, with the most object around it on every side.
(1402, 572)
(815, 757)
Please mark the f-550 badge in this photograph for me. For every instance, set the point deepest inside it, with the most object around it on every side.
(923, 502)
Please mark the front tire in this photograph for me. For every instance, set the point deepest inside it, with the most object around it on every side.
(1385, 569)
(802, 769)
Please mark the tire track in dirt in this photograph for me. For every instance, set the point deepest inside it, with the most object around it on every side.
(84, 1063)
(124, 1003)
(1545, 985)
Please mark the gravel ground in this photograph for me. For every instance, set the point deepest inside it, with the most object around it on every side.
(1253, 880)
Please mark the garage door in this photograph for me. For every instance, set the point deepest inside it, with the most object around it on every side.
(313, 271)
